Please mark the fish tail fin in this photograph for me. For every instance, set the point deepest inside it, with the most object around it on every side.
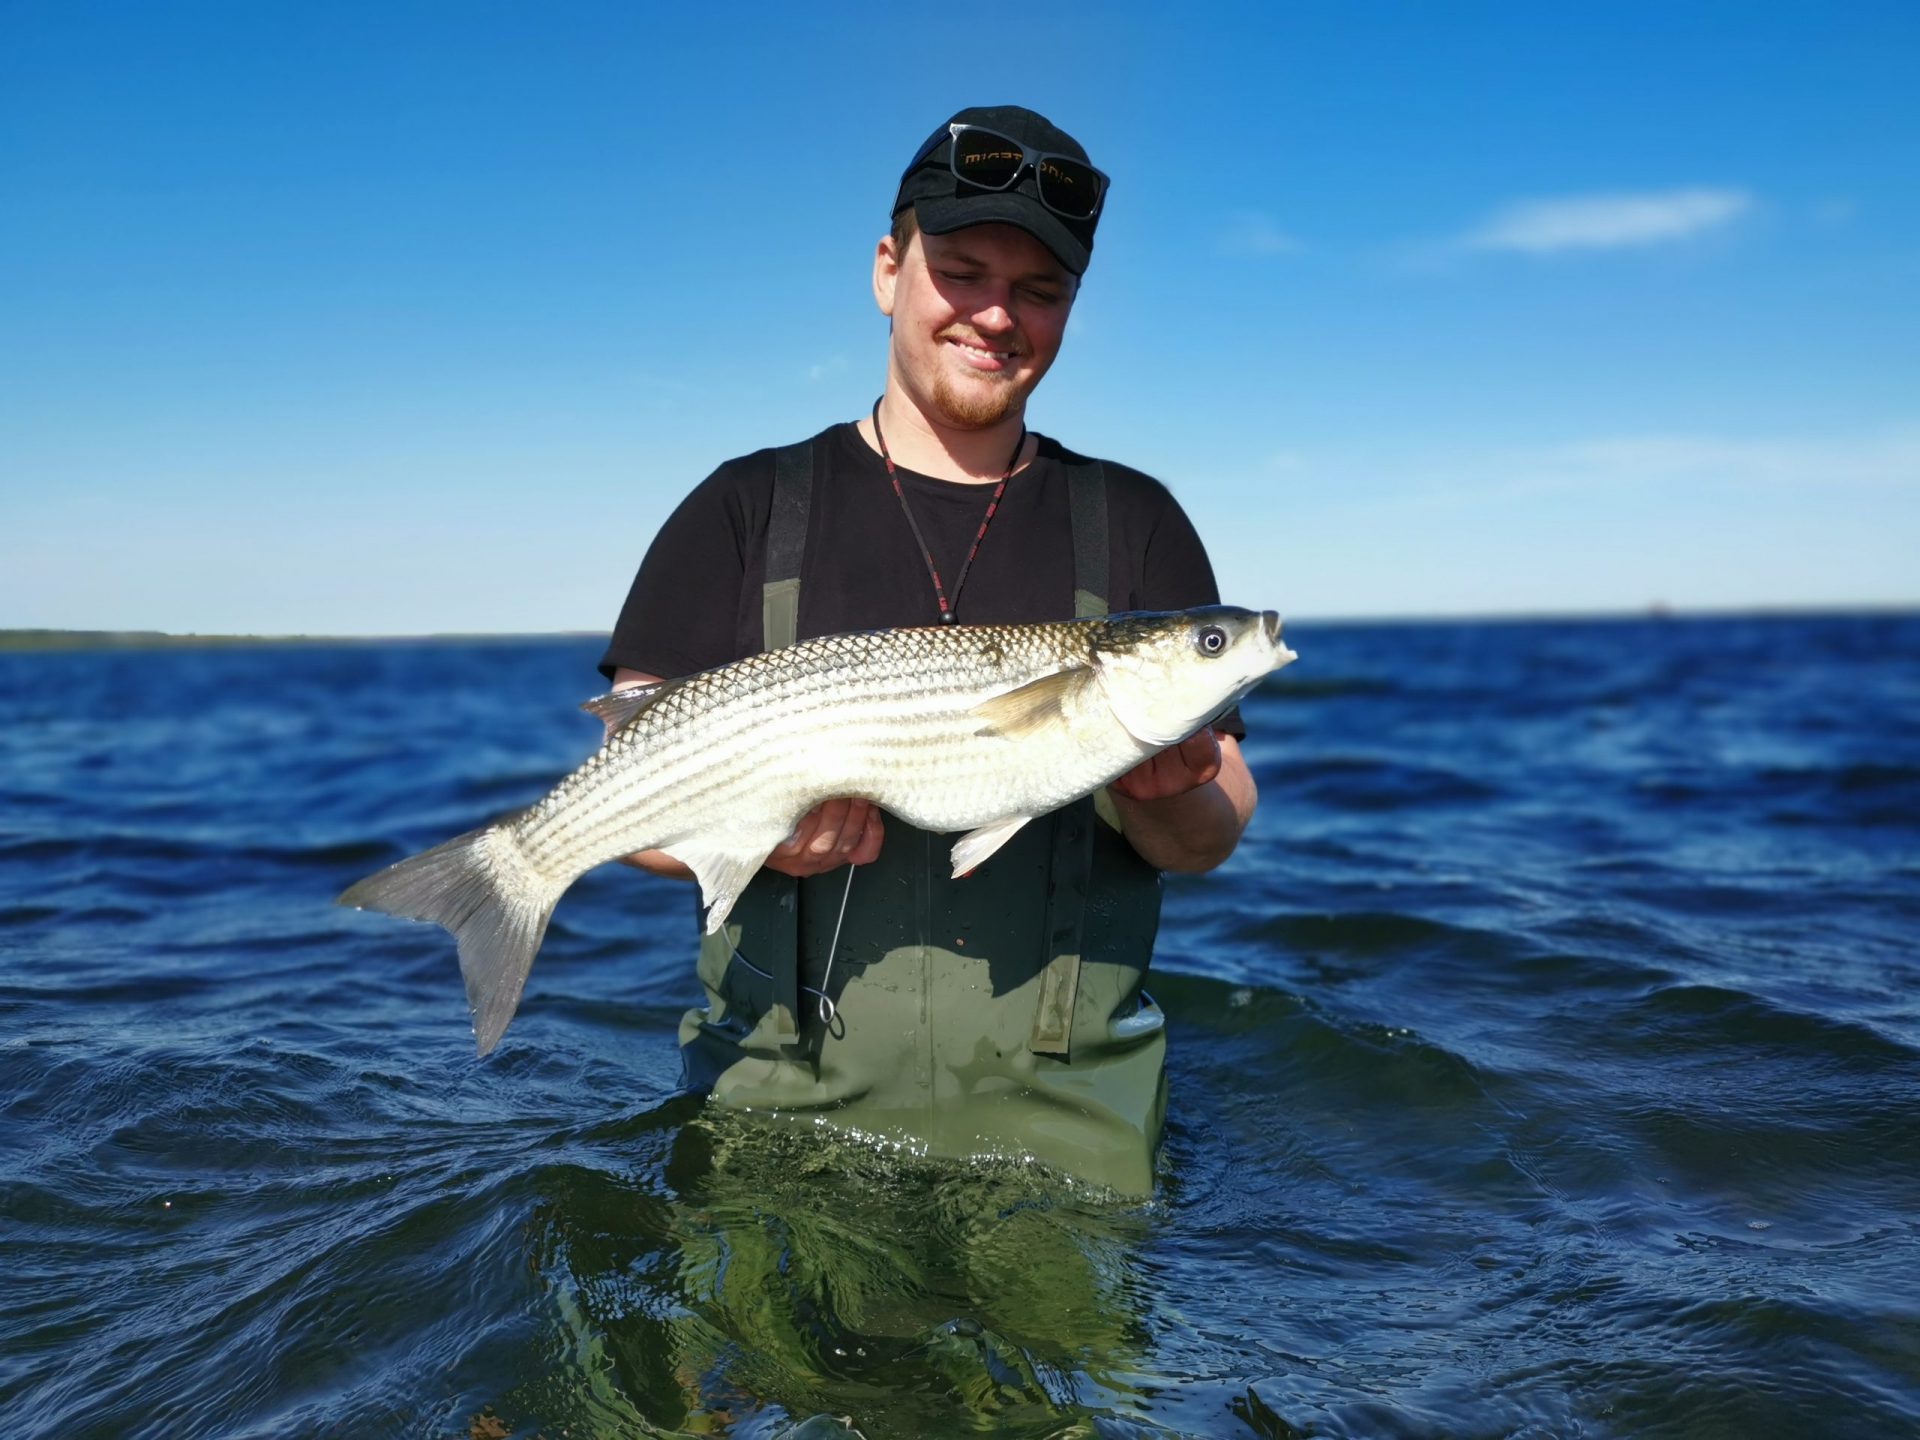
(481, 887)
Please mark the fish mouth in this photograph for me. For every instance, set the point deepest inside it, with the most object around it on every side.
(1282, 654)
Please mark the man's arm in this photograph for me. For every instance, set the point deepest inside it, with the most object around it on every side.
(1186, 808)
(832, 834)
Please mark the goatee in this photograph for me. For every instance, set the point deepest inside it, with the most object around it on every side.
(973, 410)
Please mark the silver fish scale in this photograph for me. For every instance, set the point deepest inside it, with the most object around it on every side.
(885, 715)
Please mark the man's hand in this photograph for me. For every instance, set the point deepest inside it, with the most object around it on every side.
(832, 834)
(1192, 763)
(1186, 808)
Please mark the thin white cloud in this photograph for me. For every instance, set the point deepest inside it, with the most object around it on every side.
(1252, 233)
(1608, 222)
(1890, 457)
(1811, 466)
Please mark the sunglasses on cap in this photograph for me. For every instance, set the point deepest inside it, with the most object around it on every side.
(988, 160)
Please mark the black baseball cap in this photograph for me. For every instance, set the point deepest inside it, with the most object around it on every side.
(943, 203)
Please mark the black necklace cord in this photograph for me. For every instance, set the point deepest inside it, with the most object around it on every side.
(993, 504)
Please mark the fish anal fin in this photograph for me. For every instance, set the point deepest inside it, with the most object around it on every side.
(722, 872)
(619, 706)
(974, 848)
(1033, 708)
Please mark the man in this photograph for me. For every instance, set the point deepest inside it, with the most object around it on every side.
(1002, 1013)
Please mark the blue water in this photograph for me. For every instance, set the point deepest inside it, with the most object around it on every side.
(1547, 1062)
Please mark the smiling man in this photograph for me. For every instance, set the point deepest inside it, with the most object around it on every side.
(856, 981)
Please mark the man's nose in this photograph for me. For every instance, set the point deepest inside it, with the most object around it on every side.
(996, 317)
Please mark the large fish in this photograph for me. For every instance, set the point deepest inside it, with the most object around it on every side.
(959, 728)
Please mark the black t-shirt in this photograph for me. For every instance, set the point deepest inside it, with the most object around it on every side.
(695, 603)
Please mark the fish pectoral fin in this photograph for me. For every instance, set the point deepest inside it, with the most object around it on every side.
(722, 874)
(972, 849)
(1034, 708)
(619, 706)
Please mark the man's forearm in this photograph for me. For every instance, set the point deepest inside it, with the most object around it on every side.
(658, 862)
(1197, 829)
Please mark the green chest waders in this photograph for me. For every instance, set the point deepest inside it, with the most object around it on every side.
(1001, 1014)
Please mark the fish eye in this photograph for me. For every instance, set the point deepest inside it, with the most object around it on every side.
(1212, 640)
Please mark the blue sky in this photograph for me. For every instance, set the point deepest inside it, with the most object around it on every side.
(391, 318)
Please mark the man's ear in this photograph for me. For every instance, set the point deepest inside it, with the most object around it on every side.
(886, 274)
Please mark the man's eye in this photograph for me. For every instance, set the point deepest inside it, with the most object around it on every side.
(1043, 297)
(960, 277)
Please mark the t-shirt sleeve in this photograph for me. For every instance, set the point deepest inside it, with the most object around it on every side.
(1176, 574)
(680, 614)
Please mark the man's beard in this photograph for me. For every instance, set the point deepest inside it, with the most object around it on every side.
(973, 409)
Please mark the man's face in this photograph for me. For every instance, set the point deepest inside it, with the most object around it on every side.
(977, 320)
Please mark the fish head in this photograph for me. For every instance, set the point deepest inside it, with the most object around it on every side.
(1167, 675)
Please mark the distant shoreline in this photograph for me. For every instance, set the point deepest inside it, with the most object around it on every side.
(28, 640)
(42, 640)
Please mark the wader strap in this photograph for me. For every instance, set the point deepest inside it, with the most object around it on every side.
(1087, 507)
(1070, 873)
(1072, 863)
(786, 545)
(780, 625)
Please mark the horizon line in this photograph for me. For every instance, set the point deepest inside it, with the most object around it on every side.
(25, 638)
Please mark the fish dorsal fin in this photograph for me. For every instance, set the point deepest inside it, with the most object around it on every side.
(1034, 707)
(972, 849)
(722, 874)
(620, 706)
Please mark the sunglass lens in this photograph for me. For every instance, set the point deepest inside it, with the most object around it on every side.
(983, 158)
(1069, 187)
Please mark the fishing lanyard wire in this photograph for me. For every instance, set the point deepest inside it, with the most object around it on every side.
(826, 1009)
(939, 590)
